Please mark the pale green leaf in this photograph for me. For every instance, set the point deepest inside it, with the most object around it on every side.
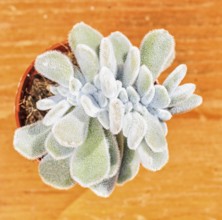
(151, 160)
(175, 78)
(161, 98)
(131, 67)
(29, 140)
(71, 130)
(56, 173)
(187, 105)
(55, 66)
(82, 33)
(88, 61)
(130, 165)
(90, 163)
(157, 51)
(56, 150)
(106, 56)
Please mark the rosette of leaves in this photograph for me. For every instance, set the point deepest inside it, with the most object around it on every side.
(108, 114)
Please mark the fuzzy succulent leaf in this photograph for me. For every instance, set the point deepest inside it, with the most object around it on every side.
(131, 67)
(29, 140)
(90, 163)
(155, 137)
(181, 93)
(129, 166)
(163, 115)
(148, 97)
(106, 56)
(55, 66)
(104, 188)
(137, 131)
(103, 118)
(144, 81)
(121, 46)
(88, 61)
(56, 150)
(48, 103)
(74, 85)
(90, 106)
(164, 127)
(127, 123)
(157, 49)
(175, 78)
(123, 96)
(116, 112)
(82, 33)
(161, 98)
(108, 82)
(56, 173)
(57, 112)
(187, 105)
(101, 99)
(71, 130)
(152, 160)
(132, 95)
(114, 153)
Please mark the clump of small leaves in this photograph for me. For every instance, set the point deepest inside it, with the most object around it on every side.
(107, 115)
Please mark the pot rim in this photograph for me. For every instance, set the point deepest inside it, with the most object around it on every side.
(27, 76)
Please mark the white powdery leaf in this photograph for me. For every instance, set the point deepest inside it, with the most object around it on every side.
(123, 96)
(131, 67)
(29, 140)
(90, 106)
(63, 91)
(133, 95)
(56, 150)
(105, 188)
(114, 153)
(130, 165)
(155, 137)
(144, 81)
(175, 78)
(90, 163)
(53, 89)
(127, 123)
(56, 173)
(151, 160)
(55, 66)
(164, 127)
(148, 97)
(116, 112)
(82, 33)
(88, 88)
(78, 75)
(72, 129)
(163, 115)
(88, 61)
(128, 107)
(137, 131)
(107, 82)
(157, 51)
(187, 105)
(103, 118)
(100, 99)
(161, 98)
(48, 103)
(57, 112)
(74, 85)
(72, 99)
(181, 93)
(106, 56)
(96, 82)
(121, 46)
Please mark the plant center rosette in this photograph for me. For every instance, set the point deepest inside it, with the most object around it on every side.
(106, 115)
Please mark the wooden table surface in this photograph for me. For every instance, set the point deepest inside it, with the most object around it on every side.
(190, 186)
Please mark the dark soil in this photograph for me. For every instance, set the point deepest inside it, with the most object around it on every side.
(37, 91)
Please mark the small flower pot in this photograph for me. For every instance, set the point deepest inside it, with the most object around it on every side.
(26, 81)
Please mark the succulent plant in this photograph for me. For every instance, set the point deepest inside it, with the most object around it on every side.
(107, 114)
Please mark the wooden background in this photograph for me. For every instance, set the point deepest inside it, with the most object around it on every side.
(190, 186)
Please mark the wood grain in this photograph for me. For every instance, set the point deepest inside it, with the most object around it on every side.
(190, 186)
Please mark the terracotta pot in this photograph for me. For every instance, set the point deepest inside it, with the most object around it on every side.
(27, 79)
